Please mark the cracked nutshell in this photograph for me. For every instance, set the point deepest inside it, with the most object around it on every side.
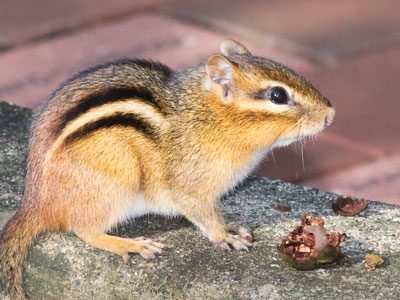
(310, 245)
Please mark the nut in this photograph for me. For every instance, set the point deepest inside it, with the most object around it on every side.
(348, 206)
(282, 208)
(310, 245)
(373, 261)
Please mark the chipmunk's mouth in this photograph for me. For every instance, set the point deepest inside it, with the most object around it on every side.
(315, 125)
(330, 115)
(308, 126)
(328, 121)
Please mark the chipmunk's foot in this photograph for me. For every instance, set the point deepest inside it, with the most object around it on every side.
(147, 248)
(237, 236)
(241, 231)
(236, 241)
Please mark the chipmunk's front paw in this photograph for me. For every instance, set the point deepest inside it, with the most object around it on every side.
(240, 231)
(236, 241)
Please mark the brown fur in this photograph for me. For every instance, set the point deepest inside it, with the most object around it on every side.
(19, 234)
(172, 148)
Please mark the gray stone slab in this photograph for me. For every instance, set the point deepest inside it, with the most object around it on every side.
(14, 123)
(60, 266)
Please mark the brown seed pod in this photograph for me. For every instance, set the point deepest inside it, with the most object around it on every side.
(310, 245)
(309, 219)
(347, 206)
(373, 261)
(282, 208)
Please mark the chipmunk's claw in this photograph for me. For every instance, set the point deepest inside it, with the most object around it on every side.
(147, 248)
(237, 242)
(239, 230)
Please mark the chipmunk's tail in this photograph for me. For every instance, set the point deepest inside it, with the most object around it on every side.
(15, 239)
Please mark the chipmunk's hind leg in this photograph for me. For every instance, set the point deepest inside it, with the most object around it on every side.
(147, 248)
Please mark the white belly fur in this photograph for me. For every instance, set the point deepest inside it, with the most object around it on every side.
(163, 206)
(247, 169)
(137, 206)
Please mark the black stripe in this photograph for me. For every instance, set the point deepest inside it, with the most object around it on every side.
(125, 62)
(126, 120)
(259, 95)
(109, 96)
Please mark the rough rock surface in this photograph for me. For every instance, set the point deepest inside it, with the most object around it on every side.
(60, 266)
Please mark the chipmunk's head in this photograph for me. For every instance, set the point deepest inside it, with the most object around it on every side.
(266, 97)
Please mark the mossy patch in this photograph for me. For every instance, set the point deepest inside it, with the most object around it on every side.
(50, 271)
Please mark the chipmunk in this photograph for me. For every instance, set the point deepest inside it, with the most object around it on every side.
(133, 137)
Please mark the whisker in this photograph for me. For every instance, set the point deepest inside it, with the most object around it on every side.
(314, 138)
(273, 155)
(302, 157)
(301, 144)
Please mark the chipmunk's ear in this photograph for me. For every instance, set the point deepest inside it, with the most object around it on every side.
(232, 47)
(220, 69)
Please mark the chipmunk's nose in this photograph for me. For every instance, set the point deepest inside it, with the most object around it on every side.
(329, 116)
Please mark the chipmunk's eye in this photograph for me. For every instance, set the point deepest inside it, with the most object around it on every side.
(278, 95)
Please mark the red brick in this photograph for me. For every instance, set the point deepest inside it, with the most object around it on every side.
(366, 93)
(324, 29)
(378, 180)
(21, 21)
(32, 72)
